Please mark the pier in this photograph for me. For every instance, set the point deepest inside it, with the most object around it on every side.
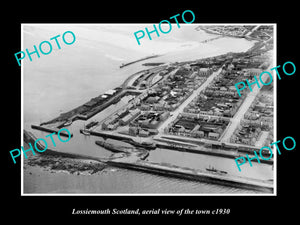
(148, 57)
(50, 130)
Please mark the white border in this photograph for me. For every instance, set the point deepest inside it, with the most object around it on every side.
(155, 194)
(22, 115)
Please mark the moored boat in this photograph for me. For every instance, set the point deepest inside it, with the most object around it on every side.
(113, 147)
(146, 145)
(68, 123)
(85, 132)
(214, 170)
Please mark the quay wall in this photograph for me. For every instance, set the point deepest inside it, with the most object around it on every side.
(112, 136)
(215, 152)
(215, 144)
(98, 109)
(170, 145)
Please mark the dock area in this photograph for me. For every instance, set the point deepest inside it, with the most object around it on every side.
(207, 151)
(135, 162)
(179, 145)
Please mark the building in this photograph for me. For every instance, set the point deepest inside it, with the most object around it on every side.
(122, 113)
(104, 125)
(111, 120)
(213, 135)
(144, 133)
(129, 117)
(152, 100)
(254, 72)
(133, 131)
(198, 133)
(110, 92)
(112, 126)
(204, 72)
(145, 107)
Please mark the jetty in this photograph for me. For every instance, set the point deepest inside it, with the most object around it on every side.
(142, 59)
(50, 130)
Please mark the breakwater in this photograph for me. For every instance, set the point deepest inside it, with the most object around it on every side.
(51, 130)
(148, 57)
(84, 113)
(108, 135)
(189, 174)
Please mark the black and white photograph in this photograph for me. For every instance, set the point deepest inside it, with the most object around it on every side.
(145, 112)
(150, 111)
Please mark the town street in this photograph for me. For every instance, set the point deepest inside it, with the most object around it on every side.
(235, 121)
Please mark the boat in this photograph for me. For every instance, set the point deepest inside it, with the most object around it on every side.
(68, 123)
(114, 148)
(91, 124)
(85, 132)
(146, 145)
(214, 170)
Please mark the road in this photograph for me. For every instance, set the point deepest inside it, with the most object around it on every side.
(250, 32)
(235, 121)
